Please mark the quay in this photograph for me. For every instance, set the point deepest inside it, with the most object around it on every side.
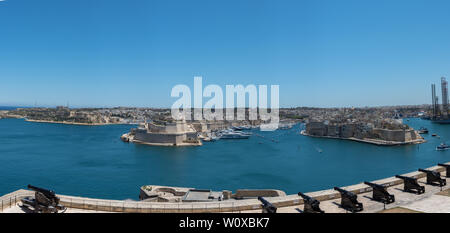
(434, 200)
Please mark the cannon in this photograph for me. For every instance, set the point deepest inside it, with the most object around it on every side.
(434, 178)
(447, 166)
(380, 193)
(411, 185)
(311, 205)
(44, 201)
(349, 200)
(267, 206)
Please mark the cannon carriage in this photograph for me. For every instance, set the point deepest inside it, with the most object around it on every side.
(380, 193)
(411, 185)
(311, 205)
(434, 178)
(349, 201)
(44, 201)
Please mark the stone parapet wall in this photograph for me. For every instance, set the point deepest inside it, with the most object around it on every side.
(13, 198)
(246, 193)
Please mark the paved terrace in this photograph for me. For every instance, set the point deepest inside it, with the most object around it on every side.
(434, 200)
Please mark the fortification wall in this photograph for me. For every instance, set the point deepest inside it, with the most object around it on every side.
(159, 138)
(348, 131)
(396, 135)
(316, 129)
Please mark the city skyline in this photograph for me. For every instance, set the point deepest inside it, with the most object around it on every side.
(327, 54)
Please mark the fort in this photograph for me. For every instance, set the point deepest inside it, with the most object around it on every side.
(384, 133)
(169, 133)
(435, 199)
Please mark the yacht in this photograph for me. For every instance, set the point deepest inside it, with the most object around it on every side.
(241, 128)
(231, 134)
(423, 130)
(443, 146)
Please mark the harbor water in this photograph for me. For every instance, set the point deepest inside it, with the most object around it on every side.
(92, 161)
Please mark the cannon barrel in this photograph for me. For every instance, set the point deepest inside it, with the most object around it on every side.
(343, 191)
(427, 171)
(264, 201)
(405, 177)
(373, 185)
(306, 197)
(346, 193)
(46, 192)
(267, 206)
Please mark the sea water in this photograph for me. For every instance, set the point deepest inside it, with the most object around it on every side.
(92, 161)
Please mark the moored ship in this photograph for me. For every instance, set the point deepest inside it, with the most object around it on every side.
(443, 146)
(423, 130)
(231, 134)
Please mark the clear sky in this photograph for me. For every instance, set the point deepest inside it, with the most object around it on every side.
(131, 53)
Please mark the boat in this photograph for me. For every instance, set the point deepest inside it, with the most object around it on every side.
(234, 131)
(286, 126)
(443, 146)
(434, 135)
(210, 137)
(269, 127)
(423, 130)
(231, 134)
(234, 135)
(214, 138)
(240, 128)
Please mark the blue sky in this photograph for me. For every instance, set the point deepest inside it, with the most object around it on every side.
(131, 53)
